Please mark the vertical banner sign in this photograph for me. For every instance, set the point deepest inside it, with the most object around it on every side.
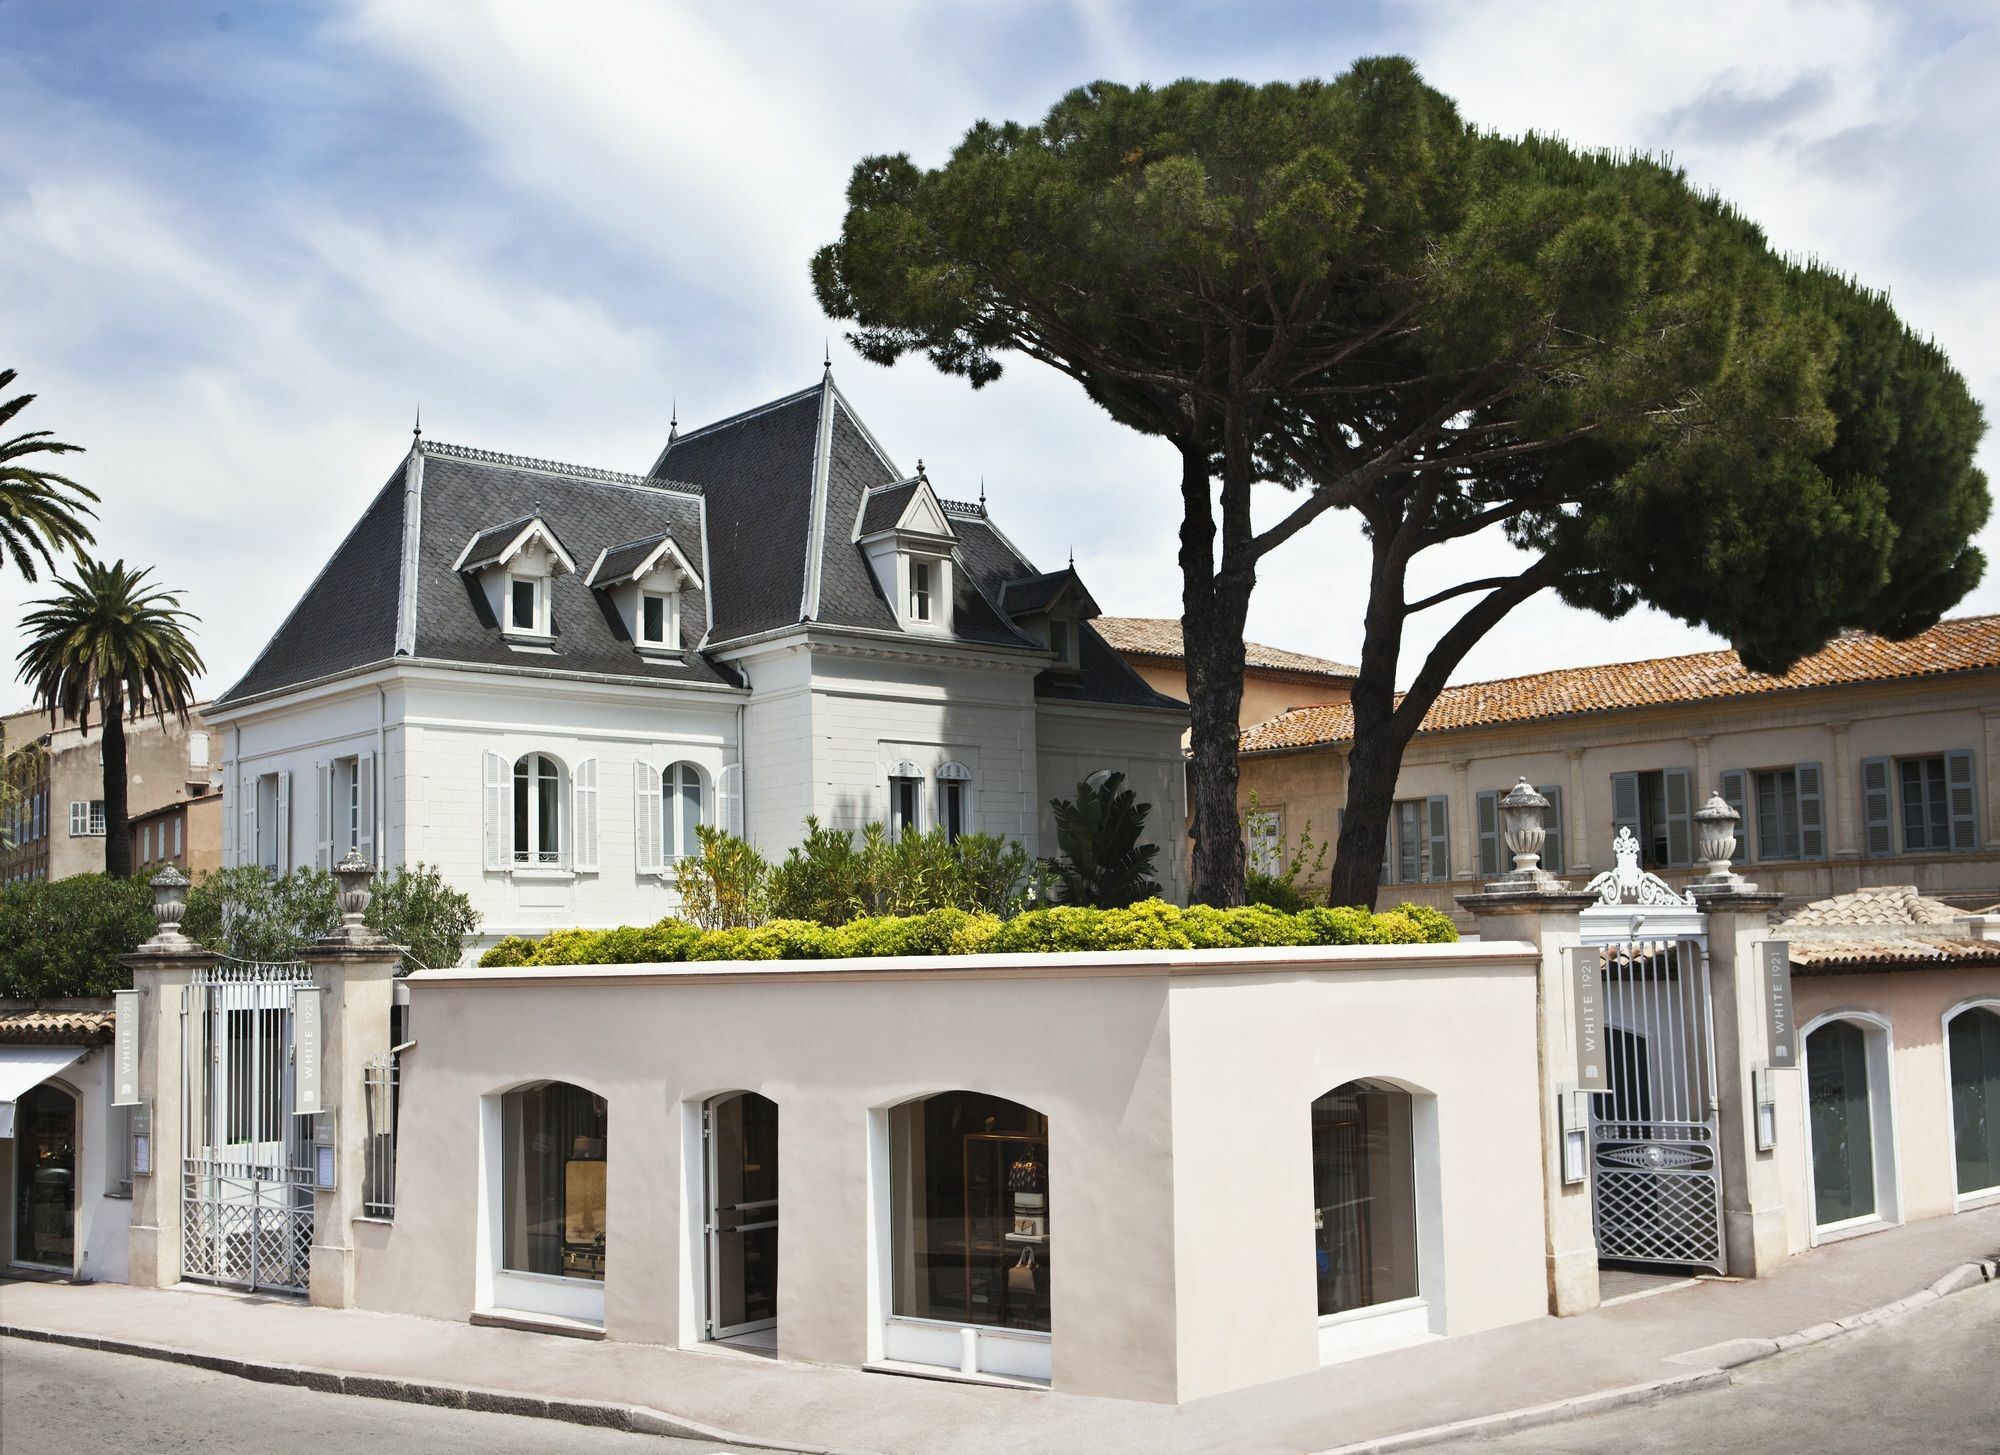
(305, 1049)
(1593, 1068)
(1781, 1045)
(125, 1048)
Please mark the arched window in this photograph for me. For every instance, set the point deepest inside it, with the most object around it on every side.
(954, 800)
(1973, 1044)
(1841, 1094)
(45, 1177)
(1364, 1196)
(538, 814)
(553, 1140)
(970, 1224)
(906, 796)
(681, 811)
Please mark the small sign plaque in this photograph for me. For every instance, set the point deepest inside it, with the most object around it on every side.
(125, 1047)
(305, 1049)
(142, 1140)
(1593, 1067)
(1781, 1035)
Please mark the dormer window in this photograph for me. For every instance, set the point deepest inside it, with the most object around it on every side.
(920, 590)
(1051, 609)
(648, 581)
(515, 566)
(908, 540)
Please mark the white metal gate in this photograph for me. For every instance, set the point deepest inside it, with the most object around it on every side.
(1656, 1168)
(246, 1208)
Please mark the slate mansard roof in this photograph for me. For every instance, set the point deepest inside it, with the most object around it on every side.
(766, 506)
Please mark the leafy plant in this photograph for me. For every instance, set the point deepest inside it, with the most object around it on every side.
(62, 937)
(1103, 861)
(415, 908)
(725, 884)
(830, 880)
(820, 879)
(1276, 880)
(250, 915)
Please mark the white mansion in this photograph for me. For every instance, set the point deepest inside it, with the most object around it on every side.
(539, 676)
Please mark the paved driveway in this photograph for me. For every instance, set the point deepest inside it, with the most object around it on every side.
(59, 1400)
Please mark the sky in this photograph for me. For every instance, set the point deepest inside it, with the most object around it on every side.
(244, 243)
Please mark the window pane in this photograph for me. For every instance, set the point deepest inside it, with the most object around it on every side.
(655, 612)
(1409, 842)
(523, 807)
(1975, 1098)
(971, 1211)
(524, 605)
(903, 805)
(553, 1152)
(1364, 1197)
(954, 810)
(1842, 1142)
(690, 809)
(548, 793)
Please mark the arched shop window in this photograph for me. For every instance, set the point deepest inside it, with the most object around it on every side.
(1840, 1112)
(553, 1140)
(1364, 1196)
(1973, 1042)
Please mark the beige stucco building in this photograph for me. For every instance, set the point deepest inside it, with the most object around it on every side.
(1869, 763)
(1274, 680)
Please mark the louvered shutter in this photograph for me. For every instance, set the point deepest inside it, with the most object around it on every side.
(1680, 807)
(366, 839)
(284, 845)
(323, 815)
(1439, 836)
(1812, 812)
(247, 851)
(1552, 822)
(729, 799)
(583, 815)
(646, 817)
(499, 812)
(1878, 807)
(1735, 791)
(1625, 803)
(1963, 801)
(1487, 815)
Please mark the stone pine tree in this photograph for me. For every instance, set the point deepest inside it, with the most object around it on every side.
(1342, 291)
(111, 639)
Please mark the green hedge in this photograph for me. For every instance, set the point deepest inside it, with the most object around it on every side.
(63, 937)
(1150, 925)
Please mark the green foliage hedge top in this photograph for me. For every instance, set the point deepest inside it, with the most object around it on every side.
(1149, 925)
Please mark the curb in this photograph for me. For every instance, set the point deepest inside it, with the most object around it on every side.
(1719, 1361)
(632, 1418)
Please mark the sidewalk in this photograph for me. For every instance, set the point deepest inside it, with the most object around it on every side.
(814, 1407)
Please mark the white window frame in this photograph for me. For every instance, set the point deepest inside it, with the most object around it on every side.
(904, 772)
(1878, 1041)
(922, 591)
(673, 777)
(954, 778)
(86, 818)
(1979, 1196)
(540, 586)
(670, 620)
(529, 858)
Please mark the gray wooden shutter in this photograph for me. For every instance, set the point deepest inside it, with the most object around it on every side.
(323, 816)
(1680, 807)
(1487, 816)
(646, 810)
(583, 816)
(1878, 807)
(1812, 812)
(284, 845)
(1552, 842)
(247, 851)
(1439, 834)
(1624, 803)
(367, 840)
(1963, 801)
(1735, 791)
(499, 812)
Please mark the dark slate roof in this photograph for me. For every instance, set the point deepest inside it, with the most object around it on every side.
(621, 561)
(347, 617)
(1032, 594)
(589, 513)
(488, 544)
(991, 560)
(885, 507)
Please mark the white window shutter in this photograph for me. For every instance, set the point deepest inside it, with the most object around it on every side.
(1962, 801)
(1878, 814)
(323, 816)
(584, 815)
(1812, 813)
(499, 812)
(364, 771)
(646, 808)
(729, 799)
(285, 821)
(248, 850)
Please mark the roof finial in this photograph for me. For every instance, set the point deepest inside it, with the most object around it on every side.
(982, 495)
(1072, 558)
(826, 354)
(674, 422)
(417, 429)
(920, 472)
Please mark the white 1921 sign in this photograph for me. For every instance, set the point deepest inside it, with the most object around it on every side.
(1593, 1067)
(305, 1049)
(1781, 1035)
(125, 1048)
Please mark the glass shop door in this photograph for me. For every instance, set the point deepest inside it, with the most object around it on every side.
(742, 1136)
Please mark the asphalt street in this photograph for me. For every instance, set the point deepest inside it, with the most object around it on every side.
(57, 1400)
(1929, 1382)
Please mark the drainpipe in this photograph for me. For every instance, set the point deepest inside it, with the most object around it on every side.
(381, 786)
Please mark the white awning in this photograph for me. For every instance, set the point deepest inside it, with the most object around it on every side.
(23, 1068)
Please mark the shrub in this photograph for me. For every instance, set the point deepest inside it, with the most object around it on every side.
(414, 907)
(63, 937)
(820, 879)
(725, 884)
(1288, 866)
(1275, 890)
(246, 913)
(830, 880)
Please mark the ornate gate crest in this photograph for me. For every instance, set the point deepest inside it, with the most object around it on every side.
(1627, 883)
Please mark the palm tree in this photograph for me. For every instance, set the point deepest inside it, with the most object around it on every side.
(111, 639)
(38, 508)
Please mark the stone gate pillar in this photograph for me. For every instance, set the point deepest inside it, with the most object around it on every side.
(1531, 904)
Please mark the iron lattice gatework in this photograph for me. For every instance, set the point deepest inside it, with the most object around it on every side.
(378, 1192)
(1656, 1165)
(247, 1200)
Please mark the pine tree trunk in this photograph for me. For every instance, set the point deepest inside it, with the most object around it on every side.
(117, 825)
(1214, 607)
(1377, 757)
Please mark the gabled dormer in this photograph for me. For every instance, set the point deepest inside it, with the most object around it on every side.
(515, 565)
(909, 541)
(644, 580)
(1052, 609)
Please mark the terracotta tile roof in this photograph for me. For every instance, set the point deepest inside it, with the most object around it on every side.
(1888, 927)
(1968, 644)
(62, 1027)
(1160, 636)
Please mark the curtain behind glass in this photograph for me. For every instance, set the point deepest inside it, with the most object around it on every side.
(1364, 1196)
(553, 1139)
(1837, 1107)
(1975, 1098)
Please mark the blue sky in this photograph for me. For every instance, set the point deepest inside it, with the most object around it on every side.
(243, 242)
